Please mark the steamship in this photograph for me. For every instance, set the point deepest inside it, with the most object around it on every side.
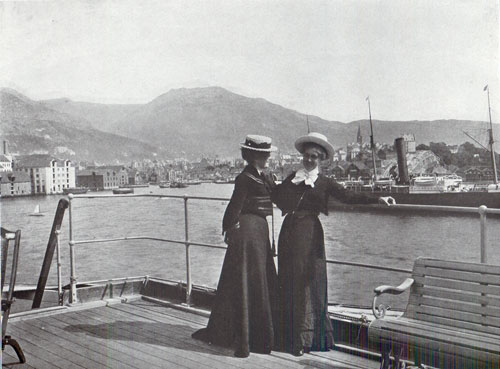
(429, 190)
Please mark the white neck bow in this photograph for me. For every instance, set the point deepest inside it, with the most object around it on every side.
(308, 178)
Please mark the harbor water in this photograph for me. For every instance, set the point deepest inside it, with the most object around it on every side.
(384, 239)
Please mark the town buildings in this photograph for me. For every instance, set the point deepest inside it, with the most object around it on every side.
(48, 175)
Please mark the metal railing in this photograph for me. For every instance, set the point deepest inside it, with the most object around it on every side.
(482, 211)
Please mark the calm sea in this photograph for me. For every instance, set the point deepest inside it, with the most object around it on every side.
(375, 238)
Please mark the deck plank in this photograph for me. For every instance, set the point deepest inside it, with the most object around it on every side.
(146, 336)
(106, 355)
(53, 342)
(41, 355)
(164, 314)
(11, 361)
(172, 335)
(111, 333)
(143, 334)
(286, 360)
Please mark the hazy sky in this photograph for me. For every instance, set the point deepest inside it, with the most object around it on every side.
(418, 60)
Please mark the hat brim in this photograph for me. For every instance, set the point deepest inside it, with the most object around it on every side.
(271, 149)
(301, 141)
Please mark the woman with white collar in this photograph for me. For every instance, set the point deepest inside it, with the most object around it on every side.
(304, 324)
(243, 314)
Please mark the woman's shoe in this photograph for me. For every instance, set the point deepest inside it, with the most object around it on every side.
(241, 353)
(298, 351)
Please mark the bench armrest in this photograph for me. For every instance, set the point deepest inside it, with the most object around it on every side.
(394, 290)
(379, 311)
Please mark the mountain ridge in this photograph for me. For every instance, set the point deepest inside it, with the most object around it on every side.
(196, 122)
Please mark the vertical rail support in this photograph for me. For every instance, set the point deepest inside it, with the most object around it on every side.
(189, 284)
(49, 254)
(72, 279)
(482, 216)
(59, 279)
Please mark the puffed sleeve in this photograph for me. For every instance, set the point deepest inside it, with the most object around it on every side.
(269, 181)
(233, 210)
(350, 197)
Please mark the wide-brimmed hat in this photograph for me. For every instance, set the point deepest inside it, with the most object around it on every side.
(316, 138)
(258, 143)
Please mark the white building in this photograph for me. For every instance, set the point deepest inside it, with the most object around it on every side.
(409, 140)
(48, 175)
(5, 163)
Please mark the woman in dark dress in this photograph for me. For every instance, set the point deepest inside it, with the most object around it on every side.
(304, 324)
(242, 317)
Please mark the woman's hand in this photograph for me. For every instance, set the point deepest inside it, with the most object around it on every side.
(387, 200)
(231, 234)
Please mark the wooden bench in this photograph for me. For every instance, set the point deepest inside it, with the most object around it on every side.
(452, 319)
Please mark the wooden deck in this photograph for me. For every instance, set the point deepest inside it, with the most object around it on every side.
(141, 334)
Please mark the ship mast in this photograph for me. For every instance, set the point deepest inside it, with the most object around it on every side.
(371, 140)
(490, 131)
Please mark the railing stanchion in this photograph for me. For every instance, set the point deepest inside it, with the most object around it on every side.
(72, 279)
(482, 215)
(189, 285)
(59, 278)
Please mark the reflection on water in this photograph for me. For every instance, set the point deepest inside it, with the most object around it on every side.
(375, 238)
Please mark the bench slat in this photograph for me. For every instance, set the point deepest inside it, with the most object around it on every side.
(459, 265)
(452, 295)
(452, 334)
(427, 313)
(456, 285)
(452, 306)
(472, 277)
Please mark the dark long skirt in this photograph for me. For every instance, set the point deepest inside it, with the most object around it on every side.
(242, 317)
(304, 321)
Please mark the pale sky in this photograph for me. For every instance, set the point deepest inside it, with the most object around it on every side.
(418, 60)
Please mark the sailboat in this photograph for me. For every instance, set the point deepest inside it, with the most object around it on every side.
(36, 212)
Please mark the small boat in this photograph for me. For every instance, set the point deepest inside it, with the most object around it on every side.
(192, 183)
(178, 185)
(36, 212)
(135, 185)
(75, 190)
(164, 184)
(123, 191)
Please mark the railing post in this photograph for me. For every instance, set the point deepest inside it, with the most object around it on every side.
(189, 285)
(72, 279)
(482, 216)
(59, 279)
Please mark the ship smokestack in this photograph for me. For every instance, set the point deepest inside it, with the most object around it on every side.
(5, 148)
(400, 145)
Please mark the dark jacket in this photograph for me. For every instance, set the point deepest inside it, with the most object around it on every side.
(251, 195)
(315, 199)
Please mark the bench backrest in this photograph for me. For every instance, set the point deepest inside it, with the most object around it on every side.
(457, 294)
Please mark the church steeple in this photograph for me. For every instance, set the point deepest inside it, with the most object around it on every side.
(359, 138)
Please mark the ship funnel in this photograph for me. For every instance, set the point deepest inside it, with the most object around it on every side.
(400, 145)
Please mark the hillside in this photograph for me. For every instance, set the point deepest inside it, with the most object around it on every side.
(100, 116)
(31, 127)
(190, 123)
(213, 121)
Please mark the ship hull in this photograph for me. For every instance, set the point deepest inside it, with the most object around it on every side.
(462, 199)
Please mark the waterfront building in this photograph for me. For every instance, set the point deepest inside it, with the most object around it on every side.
(15, 184)
(91, 179)
(48, 175)
(5, 163)
(113, 176)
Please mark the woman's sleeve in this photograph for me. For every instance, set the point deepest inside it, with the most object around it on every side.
(350, 197)
(233, 210)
